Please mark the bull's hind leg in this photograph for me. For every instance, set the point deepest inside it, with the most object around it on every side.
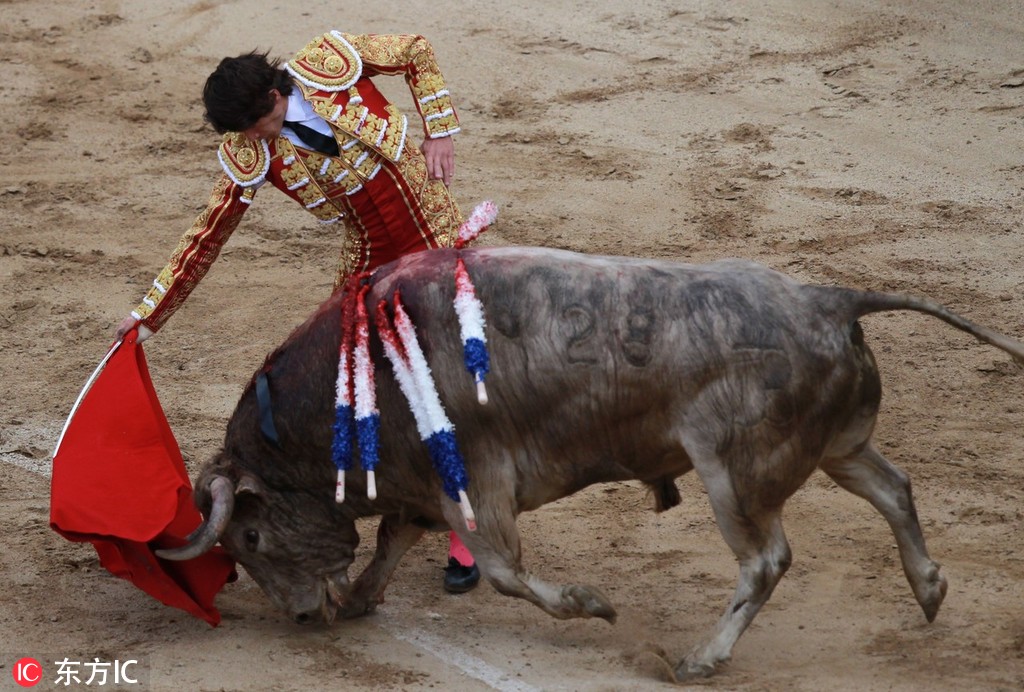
(873, 477)
(394, 538)
(495, 547)
(764, 556)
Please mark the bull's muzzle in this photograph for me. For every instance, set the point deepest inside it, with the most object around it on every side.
(328, 609)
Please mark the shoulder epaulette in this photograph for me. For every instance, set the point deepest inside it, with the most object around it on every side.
(245, 162)
(328, 62)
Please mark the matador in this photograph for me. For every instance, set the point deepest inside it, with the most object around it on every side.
(375, 183)
(320, 132)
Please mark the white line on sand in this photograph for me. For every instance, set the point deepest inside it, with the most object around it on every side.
(40, 466)
(452, 655)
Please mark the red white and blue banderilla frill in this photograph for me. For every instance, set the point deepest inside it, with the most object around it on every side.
(344, 408)
(356, 415)
(468, 306)
(412, 372)
(483, 216)
(471, 329)
(367, 416)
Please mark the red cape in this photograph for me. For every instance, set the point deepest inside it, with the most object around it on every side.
(120, 483)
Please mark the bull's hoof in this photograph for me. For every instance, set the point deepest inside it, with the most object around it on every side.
(590, 602)
(931, 597)
(687, 671)
(356, 608)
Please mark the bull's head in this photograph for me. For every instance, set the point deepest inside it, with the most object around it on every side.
(296, 545)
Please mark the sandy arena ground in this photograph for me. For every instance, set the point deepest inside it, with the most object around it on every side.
(871, 143)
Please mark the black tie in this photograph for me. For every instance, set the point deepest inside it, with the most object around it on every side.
(320, 142)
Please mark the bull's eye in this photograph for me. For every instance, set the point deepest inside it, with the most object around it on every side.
(252, 539)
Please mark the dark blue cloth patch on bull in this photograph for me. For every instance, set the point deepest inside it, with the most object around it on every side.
(267, 426)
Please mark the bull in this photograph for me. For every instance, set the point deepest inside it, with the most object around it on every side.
(603, 369)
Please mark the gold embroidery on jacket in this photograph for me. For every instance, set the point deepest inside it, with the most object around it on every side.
(196, 250)
(299, 178)
(413, 57)
(384, 135)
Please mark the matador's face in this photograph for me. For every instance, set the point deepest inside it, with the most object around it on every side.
(269, 126)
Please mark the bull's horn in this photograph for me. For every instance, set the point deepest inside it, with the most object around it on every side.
(222, 491)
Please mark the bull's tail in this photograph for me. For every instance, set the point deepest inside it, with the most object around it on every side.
(862, 303)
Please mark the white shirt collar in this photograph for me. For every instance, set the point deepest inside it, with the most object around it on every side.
(301, 111)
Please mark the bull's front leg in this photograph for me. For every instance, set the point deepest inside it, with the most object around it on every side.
(495, 547)
(394, 538)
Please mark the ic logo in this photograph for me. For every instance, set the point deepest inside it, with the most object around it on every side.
(27, 672)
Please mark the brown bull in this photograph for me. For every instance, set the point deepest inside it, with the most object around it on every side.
(603, 369)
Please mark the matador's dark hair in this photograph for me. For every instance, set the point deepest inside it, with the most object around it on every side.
(237, 94)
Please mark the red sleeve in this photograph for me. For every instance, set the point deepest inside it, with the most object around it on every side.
(196, 251)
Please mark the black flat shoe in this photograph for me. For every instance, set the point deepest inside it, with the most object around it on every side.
(459, 578)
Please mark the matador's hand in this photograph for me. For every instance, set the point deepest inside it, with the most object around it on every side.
(440, 156)
(126, 326)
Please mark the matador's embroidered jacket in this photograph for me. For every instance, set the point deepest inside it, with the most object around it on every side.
(376, 168)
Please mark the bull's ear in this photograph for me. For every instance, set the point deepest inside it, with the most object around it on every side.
(249, 484)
